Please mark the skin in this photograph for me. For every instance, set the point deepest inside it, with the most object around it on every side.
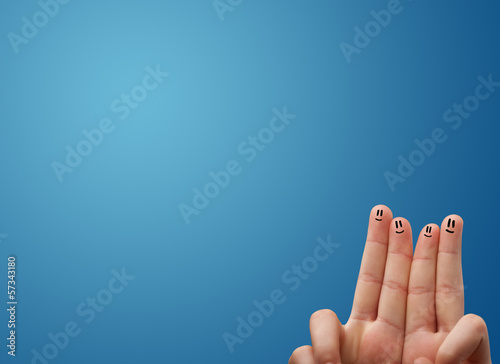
(408, 308)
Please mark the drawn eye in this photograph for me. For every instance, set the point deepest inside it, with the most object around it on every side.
(400, 226)
(452, 223)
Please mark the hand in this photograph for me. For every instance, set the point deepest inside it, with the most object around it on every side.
(436, 329)
(393, 311)
(375, 330)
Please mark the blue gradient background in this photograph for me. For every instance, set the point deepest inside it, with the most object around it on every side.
(320, 177)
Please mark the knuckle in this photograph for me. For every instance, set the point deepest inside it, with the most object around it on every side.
(449, 292)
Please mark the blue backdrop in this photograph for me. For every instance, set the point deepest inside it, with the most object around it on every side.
(165, 164)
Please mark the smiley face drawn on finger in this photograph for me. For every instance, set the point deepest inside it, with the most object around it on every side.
(452, 223)
(428, 230)
(379, 213)
(400, 226)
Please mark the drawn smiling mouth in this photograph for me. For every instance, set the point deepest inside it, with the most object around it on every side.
(450, 231)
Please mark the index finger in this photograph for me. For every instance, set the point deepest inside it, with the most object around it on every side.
(371, 272)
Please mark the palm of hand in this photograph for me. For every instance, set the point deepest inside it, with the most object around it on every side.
(379, 343)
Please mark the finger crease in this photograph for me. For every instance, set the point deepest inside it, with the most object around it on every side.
(418, 328)
(404, 255)
(449, 252)
(448, 290)
(376, 242)
(395, 285)
(423, 258)
(365, 317)
(387, 322)
(370, 278)
(419, 290)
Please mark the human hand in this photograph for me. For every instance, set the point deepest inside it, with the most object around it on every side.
(375, 330)
(436, 329)
(402, 313)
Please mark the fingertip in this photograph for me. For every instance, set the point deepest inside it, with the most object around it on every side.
(432, 225)
(476, 324)
(326, 336)
(429, 231)
(452, 223)
(381, 213)
(378, 225)
(400, 226)
(303, 354)
(323, 314)
(458, 218)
